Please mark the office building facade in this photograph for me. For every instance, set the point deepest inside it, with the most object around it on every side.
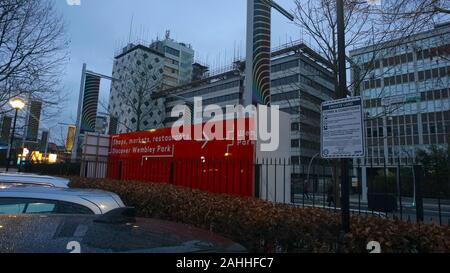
(405, 86)
(300, 81)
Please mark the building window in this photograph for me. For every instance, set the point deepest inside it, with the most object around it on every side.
(172, 51)
(285, 96)
(285, 80)
(284, 66)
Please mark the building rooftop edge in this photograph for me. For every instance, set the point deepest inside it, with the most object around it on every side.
(426, 34)
(139, 46)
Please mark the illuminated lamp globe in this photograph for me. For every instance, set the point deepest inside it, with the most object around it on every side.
(17, 103)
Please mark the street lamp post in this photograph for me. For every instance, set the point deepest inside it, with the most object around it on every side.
(17, 104)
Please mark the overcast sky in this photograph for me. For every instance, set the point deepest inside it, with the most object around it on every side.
(98, 28)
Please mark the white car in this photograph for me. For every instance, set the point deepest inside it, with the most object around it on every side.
(48, 200)
(19, 179)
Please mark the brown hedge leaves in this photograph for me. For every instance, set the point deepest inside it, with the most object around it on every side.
(265, 227)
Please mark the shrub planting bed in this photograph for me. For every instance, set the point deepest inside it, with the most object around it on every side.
(265, 227)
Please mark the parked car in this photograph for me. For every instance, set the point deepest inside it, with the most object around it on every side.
(47, 200)
(20, 179)
(113, 232)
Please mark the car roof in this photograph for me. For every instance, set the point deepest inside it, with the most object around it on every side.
(59, 191)
(33, 179)
(101, 200)
(143, 235)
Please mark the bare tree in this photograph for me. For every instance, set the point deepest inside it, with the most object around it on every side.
(366, 25)
(33, 49)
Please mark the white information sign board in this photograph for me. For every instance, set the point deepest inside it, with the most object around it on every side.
(342, 128)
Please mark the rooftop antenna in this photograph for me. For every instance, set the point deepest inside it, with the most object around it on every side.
(240, 50)
(131, 28)
(167, 34)
(234, 50)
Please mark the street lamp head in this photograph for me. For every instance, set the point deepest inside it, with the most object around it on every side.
(17, 103)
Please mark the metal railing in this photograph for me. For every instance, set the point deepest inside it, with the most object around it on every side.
(400, 193)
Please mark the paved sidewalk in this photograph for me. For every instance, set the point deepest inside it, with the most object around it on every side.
(406, 201)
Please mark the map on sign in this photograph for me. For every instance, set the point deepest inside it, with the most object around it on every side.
(342, 128)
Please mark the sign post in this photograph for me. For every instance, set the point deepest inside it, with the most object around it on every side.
(342, 133)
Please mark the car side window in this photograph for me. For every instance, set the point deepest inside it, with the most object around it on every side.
(71, 208)
(8, 206)
(26, 206)
(43, 207)
(35, 206)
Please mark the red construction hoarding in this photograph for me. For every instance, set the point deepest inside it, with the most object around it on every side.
(219, 166)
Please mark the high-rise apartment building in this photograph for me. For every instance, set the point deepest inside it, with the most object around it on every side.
(179, 58)
(139, 71)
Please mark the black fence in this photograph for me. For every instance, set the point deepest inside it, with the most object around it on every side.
(396, 192)
(58, 169)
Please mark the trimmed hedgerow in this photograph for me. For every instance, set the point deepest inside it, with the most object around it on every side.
(265, 227)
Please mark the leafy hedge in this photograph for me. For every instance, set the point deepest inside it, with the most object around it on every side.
(265, 227)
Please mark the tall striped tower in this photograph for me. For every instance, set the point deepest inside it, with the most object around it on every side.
(90, 103)
(258, 53)
(257, 83)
